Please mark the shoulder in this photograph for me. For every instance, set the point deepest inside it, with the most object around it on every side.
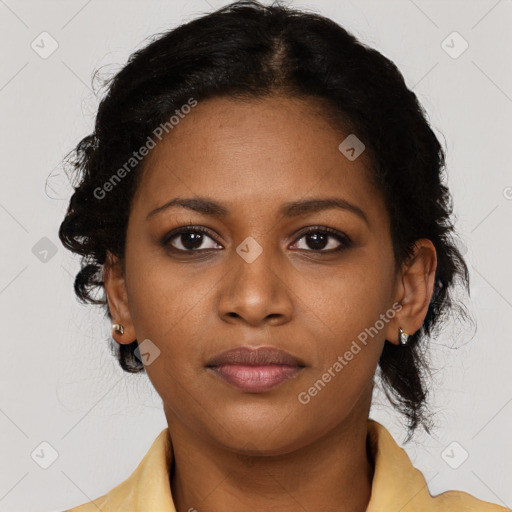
(463, 501)
(398, 485)
(95, 505)
(147, 488)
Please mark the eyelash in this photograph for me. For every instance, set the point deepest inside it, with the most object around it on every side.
(344, 240)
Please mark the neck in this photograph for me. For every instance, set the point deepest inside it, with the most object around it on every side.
(334, 472)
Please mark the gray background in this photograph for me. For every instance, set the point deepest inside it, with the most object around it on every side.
(59, 382)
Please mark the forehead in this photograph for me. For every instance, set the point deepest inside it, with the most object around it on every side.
(255, 154)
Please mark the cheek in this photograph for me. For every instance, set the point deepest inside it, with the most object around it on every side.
(167, 308)
(347, 345)
(345, 302)
(168, 311)
(348, 311)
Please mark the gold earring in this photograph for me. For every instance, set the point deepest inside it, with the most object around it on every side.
(118, 328)
(402, 336)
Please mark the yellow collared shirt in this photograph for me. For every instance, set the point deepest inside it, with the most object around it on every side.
(397, 486)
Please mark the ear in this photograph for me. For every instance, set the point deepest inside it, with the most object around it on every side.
(414, 290)
(117, 297)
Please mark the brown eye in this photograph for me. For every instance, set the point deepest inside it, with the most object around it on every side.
(324, 240)
(190, 239)
(197, 239)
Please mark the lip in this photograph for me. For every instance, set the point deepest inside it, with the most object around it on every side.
(255, 370)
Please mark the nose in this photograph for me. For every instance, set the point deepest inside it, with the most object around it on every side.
(256, 290)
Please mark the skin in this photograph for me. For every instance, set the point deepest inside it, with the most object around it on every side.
(235, 450)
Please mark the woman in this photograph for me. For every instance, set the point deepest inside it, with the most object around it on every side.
(297, 166)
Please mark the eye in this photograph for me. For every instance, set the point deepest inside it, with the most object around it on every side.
(193, 238)
(318, 237)
(189, 239)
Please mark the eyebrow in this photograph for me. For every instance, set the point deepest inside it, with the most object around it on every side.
(292, 209)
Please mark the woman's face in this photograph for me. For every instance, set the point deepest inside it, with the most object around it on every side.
(255, 277)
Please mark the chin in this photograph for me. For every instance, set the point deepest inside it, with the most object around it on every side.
(262, 436)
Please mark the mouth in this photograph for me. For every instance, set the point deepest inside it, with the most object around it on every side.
(255, 370)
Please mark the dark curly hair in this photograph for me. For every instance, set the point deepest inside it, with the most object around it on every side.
(248, 50)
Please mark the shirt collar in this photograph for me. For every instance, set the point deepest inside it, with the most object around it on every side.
(396, 486)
